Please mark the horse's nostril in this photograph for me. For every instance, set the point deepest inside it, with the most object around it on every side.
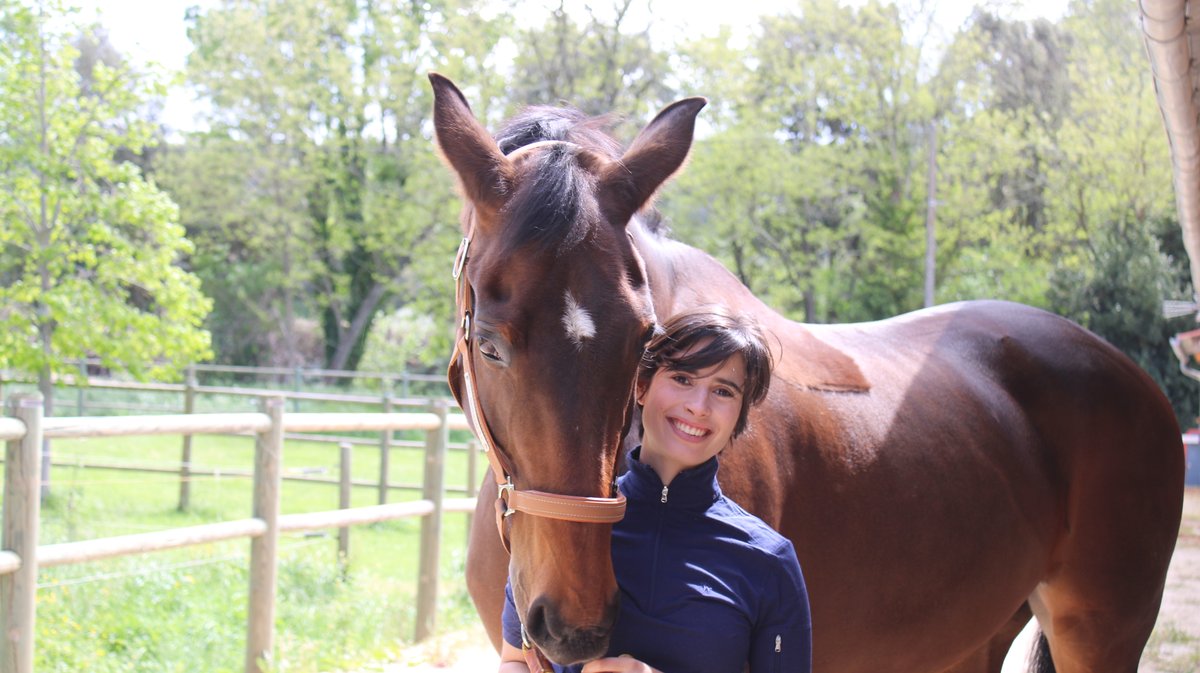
(561, 641)
(536, 624)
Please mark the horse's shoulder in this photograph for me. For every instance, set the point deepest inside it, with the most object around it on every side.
(814, 363)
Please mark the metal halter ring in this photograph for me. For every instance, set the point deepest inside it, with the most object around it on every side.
(460, 258)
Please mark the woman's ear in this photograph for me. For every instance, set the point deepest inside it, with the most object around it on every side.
(639, 393)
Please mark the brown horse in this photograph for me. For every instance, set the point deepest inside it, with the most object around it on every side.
(942, 473)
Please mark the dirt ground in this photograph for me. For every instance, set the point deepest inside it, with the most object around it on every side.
(1175, 645)
(1173, 648)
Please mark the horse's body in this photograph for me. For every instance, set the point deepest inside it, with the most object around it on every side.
(940, 473)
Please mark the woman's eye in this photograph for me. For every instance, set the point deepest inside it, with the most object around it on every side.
(724, 392)
(680, 379)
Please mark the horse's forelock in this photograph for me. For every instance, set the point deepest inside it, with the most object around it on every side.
(539, 123)
(551, 210)
(554, 207)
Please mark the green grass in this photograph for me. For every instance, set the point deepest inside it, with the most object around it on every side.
(185, 610)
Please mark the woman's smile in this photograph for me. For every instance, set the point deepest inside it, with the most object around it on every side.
(688, 429)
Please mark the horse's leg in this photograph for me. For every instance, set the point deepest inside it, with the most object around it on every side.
(487, 562)
(1091, 631)
(990, 656)
(1099, 599)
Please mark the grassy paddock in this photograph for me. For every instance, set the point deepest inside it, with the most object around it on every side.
(185, 610)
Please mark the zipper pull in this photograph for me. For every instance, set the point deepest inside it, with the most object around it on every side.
(778, 644)
(663, 499)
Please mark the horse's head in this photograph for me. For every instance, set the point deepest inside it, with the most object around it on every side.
(559, 310)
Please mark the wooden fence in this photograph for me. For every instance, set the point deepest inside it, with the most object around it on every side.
(21, 555)
(191, 391)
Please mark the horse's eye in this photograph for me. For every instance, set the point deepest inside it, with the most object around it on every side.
(489, 350)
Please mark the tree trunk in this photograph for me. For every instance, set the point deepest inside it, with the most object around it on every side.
(358, 326)
(931, 220)
(44, 319)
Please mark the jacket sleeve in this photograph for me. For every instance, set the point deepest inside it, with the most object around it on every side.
(509, 620)
(782, 637)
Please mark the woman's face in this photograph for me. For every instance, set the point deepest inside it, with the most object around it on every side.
(689, 418)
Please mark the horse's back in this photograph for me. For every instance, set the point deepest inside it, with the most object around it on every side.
(1079, 396)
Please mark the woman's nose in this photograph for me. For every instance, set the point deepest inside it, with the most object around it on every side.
(697, 401)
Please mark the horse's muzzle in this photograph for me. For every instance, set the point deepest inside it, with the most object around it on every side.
(565, 643)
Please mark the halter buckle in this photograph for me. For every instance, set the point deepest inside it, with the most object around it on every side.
(460, 258)
(506, 487)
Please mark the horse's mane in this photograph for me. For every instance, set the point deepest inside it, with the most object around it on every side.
(550, 208)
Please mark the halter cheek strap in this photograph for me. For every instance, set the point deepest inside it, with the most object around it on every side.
(511, 500)
(534, 659)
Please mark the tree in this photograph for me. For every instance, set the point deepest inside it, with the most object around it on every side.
(322, 188)
(820, 159)
(605, 66)
(1131, 269)
(1001, 94)
(89, 249)
(1112, 218)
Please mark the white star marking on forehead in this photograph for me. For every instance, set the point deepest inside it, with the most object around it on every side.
(577, 321)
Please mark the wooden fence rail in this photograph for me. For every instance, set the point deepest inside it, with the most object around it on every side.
(253, 423)
(21, 556)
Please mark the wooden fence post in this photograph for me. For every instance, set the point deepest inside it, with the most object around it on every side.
(431, 524)
(185, 461)
(344, 503)
(81, 389)
(22, 505)
(268, 461)
(385, 445)
(297, 386)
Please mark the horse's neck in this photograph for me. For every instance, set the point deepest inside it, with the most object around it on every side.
(682, 277)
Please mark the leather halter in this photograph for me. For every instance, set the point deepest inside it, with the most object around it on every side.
(510, 499)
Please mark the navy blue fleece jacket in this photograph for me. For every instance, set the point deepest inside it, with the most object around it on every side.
(706, 587)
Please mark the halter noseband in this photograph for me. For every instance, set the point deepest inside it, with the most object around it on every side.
(510, 499)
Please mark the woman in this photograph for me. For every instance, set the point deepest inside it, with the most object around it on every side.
(705, 586)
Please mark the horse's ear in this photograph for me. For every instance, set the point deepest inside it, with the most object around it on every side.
(655, 155)
(484, 173)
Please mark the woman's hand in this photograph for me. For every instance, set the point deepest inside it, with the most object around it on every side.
(621, 664)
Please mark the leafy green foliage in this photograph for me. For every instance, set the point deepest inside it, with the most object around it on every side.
(89, 249)
(317, 176)
(400, 342)
(316, 203)
(1118, 295)
(823, 216)
(1113, 225)
(606, 65)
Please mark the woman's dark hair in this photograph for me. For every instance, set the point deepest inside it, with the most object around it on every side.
(727, 334)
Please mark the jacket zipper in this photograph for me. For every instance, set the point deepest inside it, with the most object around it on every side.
(778, 665)
(663, 499)
(658, 533)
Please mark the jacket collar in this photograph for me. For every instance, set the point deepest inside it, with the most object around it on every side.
(695, 488)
